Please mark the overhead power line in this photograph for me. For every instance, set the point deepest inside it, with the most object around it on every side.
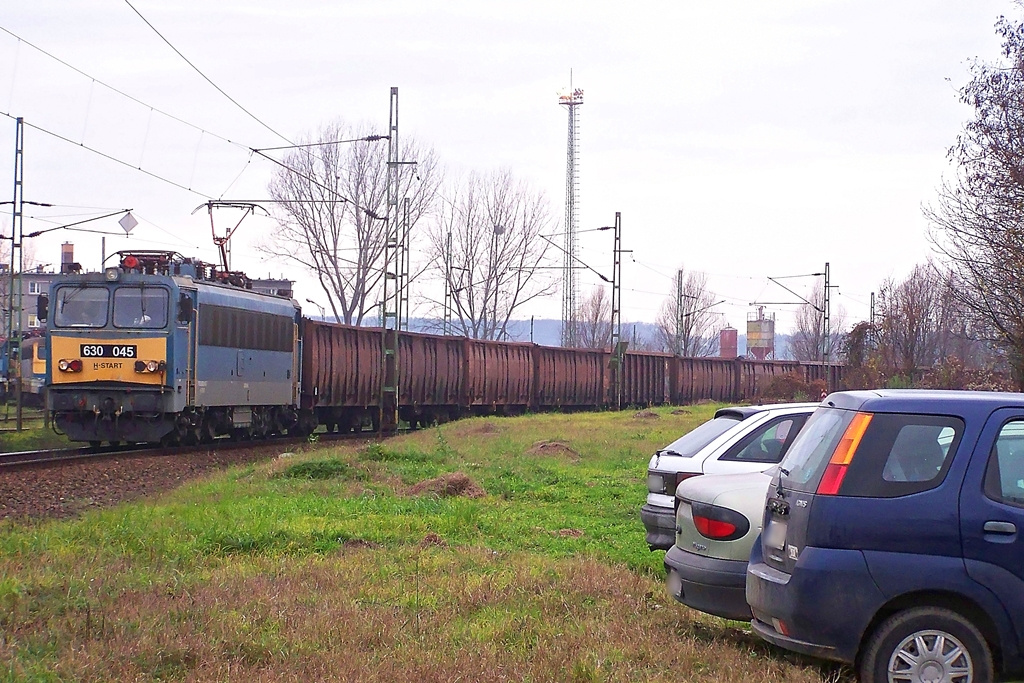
(120, 92)
(205, 77)
(111, 158)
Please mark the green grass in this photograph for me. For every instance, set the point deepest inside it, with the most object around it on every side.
(32, 437)
(341, 564)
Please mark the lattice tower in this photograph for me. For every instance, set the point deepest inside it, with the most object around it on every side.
(570, 281)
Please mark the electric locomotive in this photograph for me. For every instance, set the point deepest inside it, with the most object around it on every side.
(33, 370)
(163, 348)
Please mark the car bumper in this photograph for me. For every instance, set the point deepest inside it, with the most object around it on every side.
(708, 584)
(661, 526)
(821, 609)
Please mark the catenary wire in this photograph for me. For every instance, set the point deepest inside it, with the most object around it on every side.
(119, 92)
(205, 77)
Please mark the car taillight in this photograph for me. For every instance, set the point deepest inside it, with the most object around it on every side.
(666, 482)
(74, 365)
(832, 480)
(718, 523)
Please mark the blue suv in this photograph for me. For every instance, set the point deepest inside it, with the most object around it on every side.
(892, 537)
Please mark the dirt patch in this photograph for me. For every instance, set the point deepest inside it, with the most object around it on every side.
(433, 539)
(681, 411)
(485, 429)
(556, 448)
(570, 533)
(447, 485)
(646, 415)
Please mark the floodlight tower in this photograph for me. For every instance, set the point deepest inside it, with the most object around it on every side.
(572, 102)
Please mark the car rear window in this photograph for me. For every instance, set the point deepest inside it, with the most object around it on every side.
(688, 444)
(899, 454)
(806, 459)
(1004, 477)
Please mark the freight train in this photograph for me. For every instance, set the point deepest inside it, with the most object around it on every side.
(163, 348)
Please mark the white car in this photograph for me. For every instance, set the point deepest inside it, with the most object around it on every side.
(738, 439)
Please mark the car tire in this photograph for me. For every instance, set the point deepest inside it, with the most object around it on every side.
(894, 646)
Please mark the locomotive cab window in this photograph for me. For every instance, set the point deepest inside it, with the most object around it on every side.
(81, 307)
(144, 307)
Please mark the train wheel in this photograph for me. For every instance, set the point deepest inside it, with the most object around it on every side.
(95, 444)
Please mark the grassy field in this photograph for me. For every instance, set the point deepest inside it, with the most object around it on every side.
(489, 549)
(34, 435)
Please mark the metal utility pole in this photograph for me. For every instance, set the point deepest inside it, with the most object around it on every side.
(871, 332)
(572, 102)
(403, 270)
(14, 295)
(618, 348)
(391, 302)
(448, 293)
(679, 312)
(826, 339)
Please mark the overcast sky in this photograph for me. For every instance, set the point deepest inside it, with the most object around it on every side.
(742, 139)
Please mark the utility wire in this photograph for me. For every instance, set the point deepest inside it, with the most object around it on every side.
(205, 77)
(107, 156)
(119, 92)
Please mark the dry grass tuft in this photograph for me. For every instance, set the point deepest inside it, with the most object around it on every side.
(646, 415)
(556, 448)
(447, 485)
(570, 533)
(455, 614)
(681, 411)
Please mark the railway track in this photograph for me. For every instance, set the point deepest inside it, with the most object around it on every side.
(55, 457)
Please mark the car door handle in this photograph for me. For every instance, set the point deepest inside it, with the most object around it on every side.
(1000, 528)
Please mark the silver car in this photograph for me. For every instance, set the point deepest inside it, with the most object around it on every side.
(738, 439)
(717, 520)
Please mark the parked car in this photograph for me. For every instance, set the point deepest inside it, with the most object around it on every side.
(893, 537)
(718, 517)
(738, 439)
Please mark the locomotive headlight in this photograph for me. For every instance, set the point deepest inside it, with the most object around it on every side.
(69, 365)
(150, 366)
(112, 274)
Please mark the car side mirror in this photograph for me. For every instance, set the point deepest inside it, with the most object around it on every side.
(42, 307)
(185, 309)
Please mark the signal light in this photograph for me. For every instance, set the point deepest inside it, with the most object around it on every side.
(130, 262)
(841, 458)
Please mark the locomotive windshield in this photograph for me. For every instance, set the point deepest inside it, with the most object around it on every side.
(81, 307)
(144, 307)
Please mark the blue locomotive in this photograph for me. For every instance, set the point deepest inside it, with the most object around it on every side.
(163, 348)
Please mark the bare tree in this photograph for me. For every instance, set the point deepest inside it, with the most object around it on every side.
(686, 324)
(908, 321)
(978, 220)
(331, 211)
(807, 342)
(595, 320)
(489, 251)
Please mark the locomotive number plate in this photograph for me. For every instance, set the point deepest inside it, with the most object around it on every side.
(109, 351)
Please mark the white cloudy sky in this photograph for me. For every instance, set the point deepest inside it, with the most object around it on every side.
(744, 139)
